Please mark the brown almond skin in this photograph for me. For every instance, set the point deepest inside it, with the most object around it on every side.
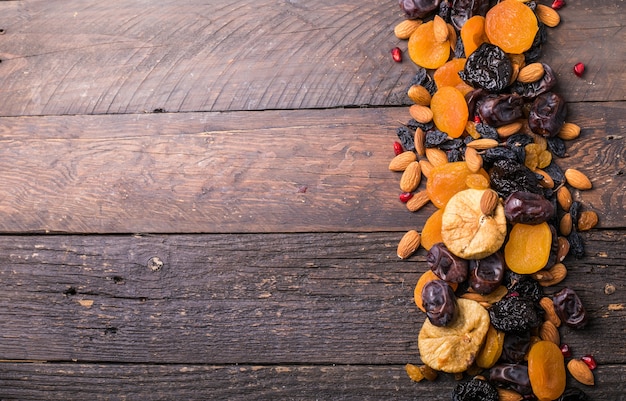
(581, 372)
(418, 201)
(401, 161)
(408, 244)
(577, 179)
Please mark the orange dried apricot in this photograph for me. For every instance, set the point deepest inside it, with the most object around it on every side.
(450, 112)
(546, 370)
(425, 278)
(512, 26)
(431, 233)
(473, 34)
(448, 75)
(528, 248)
(448, 179)
(425, 50)
(477, 181)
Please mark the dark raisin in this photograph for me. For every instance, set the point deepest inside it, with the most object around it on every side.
(421, 77)
(555, 172)
(490, 156)
(574, 211)
(450, 144)
(514, 314)
(570, 308)
(439, 302)
(406, 137)
(454, 155)
(434, 138)
(445, 264)
(488, 67)
(576, 244)
(444, 10)
(475, 390)
(573, 394)
(513, 376)
(508, 176)
(414, 125)
(557, 146)
(533, 54)
(487, 131)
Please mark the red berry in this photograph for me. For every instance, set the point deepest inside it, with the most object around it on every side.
(565, 350)
(405, 196)
(477, 119)
(396, 54)
(590, 361)
(397, 148)
(579, 68)
(556, 4)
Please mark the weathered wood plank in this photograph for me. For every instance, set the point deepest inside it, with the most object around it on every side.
(249, 299)
(274, 171)
(66, 382)
(129, 57)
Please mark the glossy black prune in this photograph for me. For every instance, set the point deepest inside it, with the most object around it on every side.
(418, 8)
(533, 89)
(527, 208)
(508, 176)
(523, 285)
(491, 155)
(499, 110)
(462, 10)
(422, 77)
(514, 314)
(517, 143)
(488, 67)
(406, 138)
(515, 347)
(475, 390)
(439, 302)
(485, 275)
(573, 394)
(445, 264)
(569, 308)
(513, 376)
(547, 114)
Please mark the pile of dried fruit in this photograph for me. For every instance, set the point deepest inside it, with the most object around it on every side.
(485, 130)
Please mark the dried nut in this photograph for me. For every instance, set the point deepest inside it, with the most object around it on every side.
(421, 113)
(565, 225)
(436, 156)
(508, 395)
(547, 15)
(549, 332)
(548, 306)
(581, 372)
(506, 131)
(408, 244)
(401, 161)
(554, 275)
(587, 220)
(473, 160)
(577, 179)
(563, 249)
(564, 197)
(546, 181)
(414, 372)
(429, 373)
(405, 28)
(419, 95)
(418, 201)
(482, 144)
(441, 29)
(420, 140)
(531, 73)
(411, 177)
(426, 167)
(488, 202)
(569, 131)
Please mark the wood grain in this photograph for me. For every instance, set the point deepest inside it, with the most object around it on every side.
(130, 57)
(273, 171)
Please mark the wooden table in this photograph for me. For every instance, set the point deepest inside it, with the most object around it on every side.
(195, 202)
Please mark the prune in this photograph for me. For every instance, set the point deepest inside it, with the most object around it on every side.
(513, 376)
(525, 286)
(462, 10)
(487, 131)
(485, 275)
(418, 8)
(406, 137)
(517, 143)
(515, 347)
(514, 314)
(570, 308)
(439, 302)
(490, 156)
(488, 67)
(534, 53)
(475, 390)
(527, 208)
(573, 394)
(508, 176)
(547, 114)
(434, 138)
(533, 89)
(576, 244)
(446, 265)
(498, 110)
(557, 146)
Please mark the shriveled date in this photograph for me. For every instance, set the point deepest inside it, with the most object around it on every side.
(528, 208)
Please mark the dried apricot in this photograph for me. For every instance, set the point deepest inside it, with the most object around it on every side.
(450, 111)
(473, 34)
(424, 48)
(511, 25)
(425, 278)
(431, 233)
(448, 179)
(528, 248)
(477, 181)
(448, 75)
(546, 370)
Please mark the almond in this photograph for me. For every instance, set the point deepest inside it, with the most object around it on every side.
(473, 160)
(441, 29)
(418, 201)
(546, 181)
(426, 167)
(421, 114)
(506, 131)
(420, 140)
(564, 197)
(419, 95)
(488, 202)
(436, 157)
(547, 15)
(508, 395)
(563, 249)
(549, 332)
(401, 161)
(531, 73)
(569, 131)
(565, 225)
(577, 179)
(581, 372)
(408, 244)
(553, 275)
(411, 177)
(587, 220)
(405, 28)
(548, 306)
(482, 144)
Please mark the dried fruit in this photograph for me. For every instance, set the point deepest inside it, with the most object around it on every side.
(466, 231)
(473, 34)
(546, 370)
(512, 375)
(424, 279)
(408, 244)
(528, 247)
(405, 197)
(424, 48)
(418, 8)
(486, 275)
(514, 315)
(439, 302)
(449, 110)
(577, 179)
(512, 26)
(579, 69)
(414, 372)
(404, 29)
(454, 348)
(557, 4)
(475, 390)
(396, 54)
(445, 181)
(587, 220)
(431, 233)
(446, 265)
(488, 68)
(581, 372)
(492, 349)
(448, 75)
(570, 309)
(528, 208)
(397, 148)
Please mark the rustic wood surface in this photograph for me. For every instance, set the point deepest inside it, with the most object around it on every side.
(196, 203)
